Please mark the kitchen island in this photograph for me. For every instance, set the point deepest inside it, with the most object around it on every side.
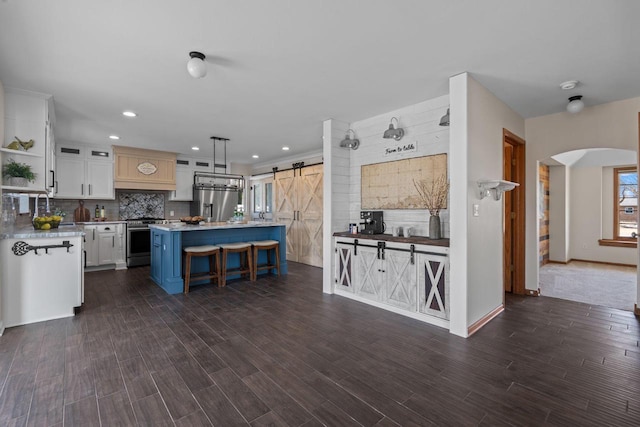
(42, 275)
(168, 240)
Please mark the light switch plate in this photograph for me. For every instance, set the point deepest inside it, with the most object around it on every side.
(476, 210)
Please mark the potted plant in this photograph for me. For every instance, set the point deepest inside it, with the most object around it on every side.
(19, 174)
(434, 197)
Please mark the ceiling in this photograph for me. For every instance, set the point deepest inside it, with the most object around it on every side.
(277, 69)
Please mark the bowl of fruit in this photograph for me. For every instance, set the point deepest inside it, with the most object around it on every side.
(46, 222)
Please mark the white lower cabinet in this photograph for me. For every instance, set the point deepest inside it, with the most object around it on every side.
(405, 278)
(105, 245)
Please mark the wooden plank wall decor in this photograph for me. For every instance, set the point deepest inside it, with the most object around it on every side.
(389, 185)
(543, 215)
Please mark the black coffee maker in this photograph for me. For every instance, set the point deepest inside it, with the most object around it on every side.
(372, 222)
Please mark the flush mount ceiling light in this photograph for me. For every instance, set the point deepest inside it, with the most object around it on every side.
(444, 121)
(194, 148)
(575, 104)
(255, 156)
(196, 66)
(114, 137)
(393, 132)
(285, 148)
(129, 114)
(347, 142)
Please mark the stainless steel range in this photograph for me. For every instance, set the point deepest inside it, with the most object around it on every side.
(139, 240)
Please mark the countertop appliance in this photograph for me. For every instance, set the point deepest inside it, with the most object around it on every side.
(216, 196)
(139, 240)
(372, 222)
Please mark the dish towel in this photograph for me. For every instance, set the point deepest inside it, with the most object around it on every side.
(23, 203)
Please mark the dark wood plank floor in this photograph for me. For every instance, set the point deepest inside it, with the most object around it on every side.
(279, 352)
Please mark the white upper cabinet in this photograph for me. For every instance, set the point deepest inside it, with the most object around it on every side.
(185, 168)
(84, 172)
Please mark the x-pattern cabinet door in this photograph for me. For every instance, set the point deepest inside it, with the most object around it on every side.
(344, 267)
(401, 280)
(310, 215)
(433, 285)
(286, 207)
(369, 277)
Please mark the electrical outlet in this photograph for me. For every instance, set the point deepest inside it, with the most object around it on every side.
(171, 213)
(476, 210)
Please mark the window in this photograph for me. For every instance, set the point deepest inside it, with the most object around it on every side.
(625, 203)
(268, 197)
(257, 198)
(262, 197)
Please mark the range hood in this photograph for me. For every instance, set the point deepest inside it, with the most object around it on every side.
(140, 169)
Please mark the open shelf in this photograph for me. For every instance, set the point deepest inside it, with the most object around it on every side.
(20, 153)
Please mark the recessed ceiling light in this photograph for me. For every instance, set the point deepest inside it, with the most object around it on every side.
(255, 156)
(195, 148)
(129, 114)
(114, 137)
(569, 84)
(285, 148)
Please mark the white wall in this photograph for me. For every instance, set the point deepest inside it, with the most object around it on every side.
(1, 163)
(612, 125)
(487, 117)
(591, 217)
(421, 125)
(336, 198)
(559, 211)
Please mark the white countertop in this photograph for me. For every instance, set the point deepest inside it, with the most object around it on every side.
(181, 226)
(101, 222)
(31, 233)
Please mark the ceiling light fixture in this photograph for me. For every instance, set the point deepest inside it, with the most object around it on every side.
(347, 142)
(255, 156)
(129, 114)
(393, 132)
(196, 65)
(444, 121)
(285, 148)
(114, 137)
(575, 104)
(195, 148)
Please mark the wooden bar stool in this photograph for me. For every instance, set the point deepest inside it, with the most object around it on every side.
(213, 252)
(266, 245)
(246, 262)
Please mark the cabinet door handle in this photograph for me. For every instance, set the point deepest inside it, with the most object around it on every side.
(94, 234)
(56, 187)
(89, 189)
(53, 178)
(113, 241)
(82, 189)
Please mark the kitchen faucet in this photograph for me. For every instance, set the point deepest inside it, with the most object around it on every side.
(35, 206)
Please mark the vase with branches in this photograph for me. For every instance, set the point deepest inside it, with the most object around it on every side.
(433, 195)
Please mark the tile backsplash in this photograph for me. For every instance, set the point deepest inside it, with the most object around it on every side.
(141, 205)
(113, 208)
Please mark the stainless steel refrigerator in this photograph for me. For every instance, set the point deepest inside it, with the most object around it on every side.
(215, 196)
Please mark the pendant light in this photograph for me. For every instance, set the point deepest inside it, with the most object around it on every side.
(196, 65)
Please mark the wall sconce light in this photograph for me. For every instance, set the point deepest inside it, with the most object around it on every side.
(575, 104)
(497, 187)
(396, 133)
(347, 142)
(444, 121)
(196, 65)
